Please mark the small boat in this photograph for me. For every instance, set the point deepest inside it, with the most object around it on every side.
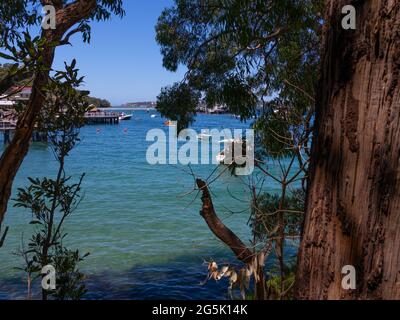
(228, 141)
(169, 123)
(220, 157)
(203, 136)
(124, 116)
(229, 150)
(153, 116)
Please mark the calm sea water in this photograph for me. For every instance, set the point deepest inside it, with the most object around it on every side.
(144, 233)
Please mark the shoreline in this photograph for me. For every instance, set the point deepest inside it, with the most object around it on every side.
(154, 109)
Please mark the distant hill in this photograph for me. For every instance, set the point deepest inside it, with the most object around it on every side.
(144, 104)
(98, 103)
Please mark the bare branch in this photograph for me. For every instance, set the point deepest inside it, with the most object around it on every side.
(242, 252)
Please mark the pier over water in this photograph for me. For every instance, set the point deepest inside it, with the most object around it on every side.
(7, 127)
(101, 117)
(8, 124)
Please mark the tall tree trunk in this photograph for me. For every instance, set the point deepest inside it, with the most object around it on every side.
(353, 203)
(15, 153)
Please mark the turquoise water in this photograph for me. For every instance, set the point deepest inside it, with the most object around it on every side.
(144, 233)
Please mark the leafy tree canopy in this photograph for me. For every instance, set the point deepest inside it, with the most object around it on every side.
(19, 21)
(244, 53)
(183, 98)
(17, 15)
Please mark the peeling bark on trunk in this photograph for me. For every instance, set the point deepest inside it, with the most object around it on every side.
(353, 203)
(15, 153)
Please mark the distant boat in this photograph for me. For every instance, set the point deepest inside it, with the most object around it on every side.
(228, 150)
(169, 123)
(203, 136)
(153, 116)
(220, 158)
(124, 116)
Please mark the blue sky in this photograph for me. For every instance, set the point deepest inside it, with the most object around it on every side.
(123, 61)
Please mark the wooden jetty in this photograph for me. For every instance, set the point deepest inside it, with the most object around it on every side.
(7, 127)
(102, 117)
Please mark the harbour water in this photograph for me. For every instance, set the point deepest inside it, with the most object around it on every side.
(139, 222)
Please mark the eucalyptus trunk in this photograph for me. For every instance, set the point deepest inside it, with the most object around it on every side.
(353, 203)
(67, 16)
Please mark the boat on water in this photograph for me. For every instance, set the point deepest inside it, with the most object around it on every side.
(124, 116)
(153, 116)
(220, 157)
(204, 136)
(229, 147)
(169, 123)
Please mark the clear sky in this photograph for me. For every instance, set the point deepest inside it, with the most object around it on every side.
(123, 61)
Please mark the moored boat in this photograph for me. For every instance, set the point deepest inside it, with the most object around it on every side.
(204, 136)
(169, 123)
(124, 116)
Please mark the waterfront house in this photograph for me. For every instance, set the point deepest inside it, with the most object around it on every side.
(14, 95)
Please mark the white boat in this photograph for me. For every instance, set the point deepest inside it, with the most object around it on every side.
(220, 158)
(228, 149)
(203, 136)
(153, 116)
(124, 116)
(228, 141)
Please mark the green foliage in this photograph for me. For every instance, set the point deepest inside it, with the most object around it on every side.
(237, 94)
(69, 279)
(17, 15)
(278, 290)
(178, 103)
(97, 102)
(19, 79)
(19, 20)
(63, 113)
(52, 201)
(265, 221)
(39, 198)
(103, 11)
(24, 56)
(240, 52)
(105, 8)
(257, 57)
